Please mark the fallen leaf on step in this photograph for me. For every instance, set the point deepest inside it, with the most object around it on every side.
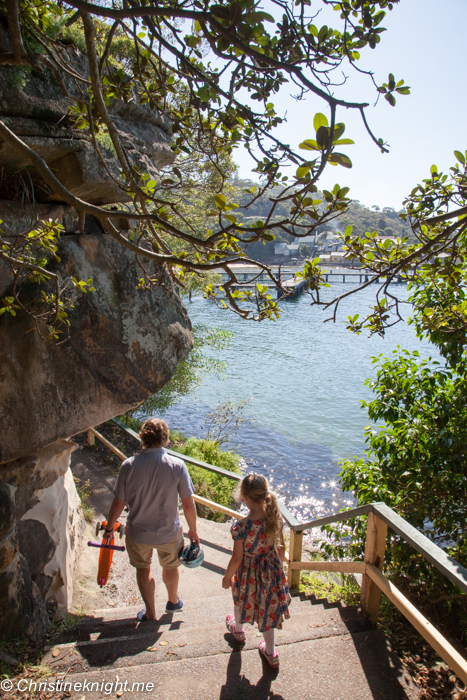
(171, 653)
(111, 603)
(163, 644)
(180, 645)
(119, 693)
(152, 649)
(55, 652)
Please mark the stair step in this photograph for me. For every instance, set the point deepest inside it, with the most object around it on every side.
(140, 643)
(199, 613)
(358, 666)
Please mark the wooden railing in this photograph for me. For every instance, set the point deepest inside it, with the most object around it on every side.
(286, 514)
(374, 582)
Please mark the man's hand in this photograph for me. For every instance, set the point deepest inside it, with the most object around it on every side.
(189, 510)
(115, 512)
(193, 536)
(108, 535)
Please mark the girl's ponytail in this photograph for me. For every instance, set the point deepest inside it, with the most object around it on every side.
(256, 487)
(273, 525)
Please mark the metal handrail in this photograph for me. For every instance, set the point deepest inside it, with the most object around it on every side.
(428, 549)
(454, 571)
(290, 519)
(190, 460)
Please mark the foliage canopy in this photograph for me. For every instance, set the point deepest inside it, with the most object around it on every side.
(210, 71)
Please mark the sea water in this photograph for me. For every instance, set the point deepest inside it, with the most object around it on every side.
(305, 379)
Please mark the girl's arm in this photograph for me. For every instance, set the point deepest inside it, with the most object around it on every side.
(234, 563)
(281, 548)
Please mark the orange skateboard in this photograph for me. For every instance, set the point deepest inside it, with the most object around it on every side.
(107, 550)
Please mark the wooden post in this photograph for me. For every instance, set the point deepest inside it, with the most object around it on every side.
(295, 554)
(374, 554)
(91, 438)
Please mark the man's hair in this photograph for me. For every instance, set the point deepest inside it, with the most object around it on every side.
(154, 433)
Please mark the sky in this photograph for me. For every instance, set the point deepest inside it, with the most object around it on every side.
(425, 45)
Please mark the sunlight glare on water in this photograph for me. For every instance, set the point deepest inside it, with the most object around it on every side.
(306, 381)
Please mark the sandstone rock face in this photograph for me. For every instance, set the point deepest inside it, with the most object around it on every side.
(125, 344)
(42, 525)
(33, 106)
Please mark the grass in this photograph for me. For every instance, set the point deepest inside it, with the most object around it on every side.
(334, 587)
(207, 484)
(84, 492)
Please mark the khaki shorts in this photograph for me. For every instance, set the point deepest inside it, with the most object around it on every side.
(141, 554)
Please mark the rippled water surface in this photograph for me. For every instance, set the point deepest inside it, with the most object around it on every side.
(306, 381)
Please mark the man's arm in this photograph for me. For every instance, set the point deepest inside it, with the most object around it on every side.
(189, 510)
(114, 513)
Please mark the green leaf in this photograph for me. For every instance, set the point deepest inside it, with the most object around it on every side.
(322, 136)
(220, 201)
(302, 171)
(460, 157)
(434, 170)
(309, 145)
(197, 26)
(343, 142)
(340, 159)
(319, 120)
(262, 16)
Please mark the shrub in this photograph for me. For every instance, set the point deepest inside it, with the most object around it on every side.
(207, 484)
(416, 462)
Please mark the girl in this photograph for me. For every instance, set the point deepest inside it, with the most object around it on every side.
(259, 587)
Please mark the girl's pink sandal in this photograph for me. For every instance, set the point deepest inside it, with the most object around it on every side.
(238, 636)
(272, 659)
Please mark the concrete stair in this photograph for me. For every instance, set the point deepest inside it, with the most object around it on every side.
(327, 652)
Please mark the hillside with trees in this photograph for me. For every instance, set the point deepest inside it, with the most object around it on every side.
(386, 221)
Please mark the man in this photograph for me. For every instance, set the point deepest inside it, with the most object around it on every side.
(150, 483)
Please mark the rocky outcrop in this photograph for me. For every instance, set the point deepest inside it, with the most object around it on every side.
(34, 107)
(40, 534)
(125, 341)
(124, 345)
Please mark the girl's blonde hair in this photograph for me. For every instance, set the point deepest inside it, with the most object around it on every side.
(256, 487)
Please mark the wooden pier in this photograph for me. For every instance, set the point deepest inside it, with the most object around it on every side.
(355, 276)
(295, 287)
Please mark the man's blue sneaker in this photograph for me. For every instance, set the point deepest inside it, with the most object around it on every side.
(174, 607)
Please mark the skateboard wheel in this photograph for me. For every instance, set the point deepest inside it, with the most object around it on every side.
(121, 530)
(98, 528)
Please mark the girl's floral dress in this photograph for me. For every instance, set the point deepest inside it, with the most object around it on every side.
(259, 586)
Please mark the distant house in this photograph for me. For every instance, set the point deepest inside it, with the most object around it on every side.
(381, 239)
(306, 240)
(337, 257)
(281, 249)
(286, 249)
